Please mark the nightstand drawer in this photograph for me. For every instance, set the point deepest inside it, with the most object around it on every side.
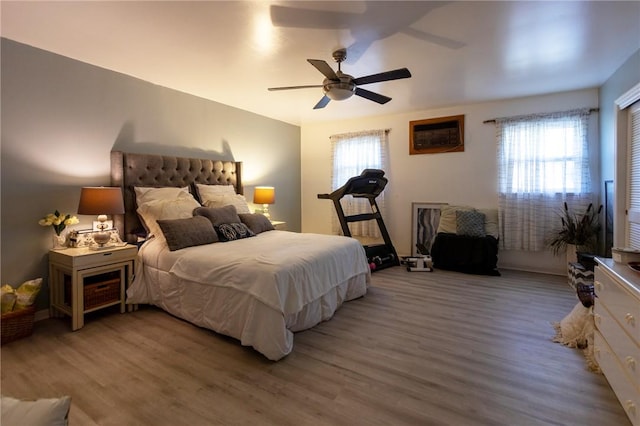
(80, 258)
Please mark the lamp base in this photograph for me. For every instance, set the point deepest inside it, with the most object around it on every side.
(102, 238)
(265, 211)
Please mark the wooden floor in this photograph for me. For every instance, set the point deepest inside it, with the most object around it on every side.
(438, 348)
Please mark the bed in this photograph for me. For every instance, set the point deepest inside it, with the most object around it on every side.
(259, 289)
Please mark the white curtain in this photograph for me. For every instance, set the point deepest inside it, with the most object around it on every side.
(351, 154)
(543, 161)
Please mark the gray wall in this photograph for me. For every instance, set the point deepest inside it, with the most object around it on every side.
(61, 118)
(625, 78)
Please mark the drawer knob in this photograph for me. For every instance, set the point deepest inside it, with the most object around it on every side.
(630, 407)
(598, 285)
(631, 362)
(630, 319)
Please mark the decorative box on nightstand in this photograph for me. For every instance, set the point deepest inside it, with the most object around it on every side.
(279, 225)
(83, 280)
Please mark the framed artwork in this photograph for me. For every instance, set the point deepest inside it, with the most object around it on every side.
(425, 218)
(608, 217)
(435, 135)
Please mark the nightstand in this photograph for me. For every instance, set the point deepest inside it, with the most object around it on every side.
(279, 225)
(83, 280)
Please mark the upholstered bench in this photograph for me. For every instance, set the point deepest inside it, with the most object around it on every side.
(467, 240)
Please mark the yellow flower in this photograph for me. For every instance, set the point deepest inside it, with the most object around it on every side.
(58, 221)
(71, 221)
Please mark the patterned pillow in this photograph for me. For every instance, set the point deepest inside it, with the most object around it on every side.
(448, 219)
(470, 223)
(233, 231)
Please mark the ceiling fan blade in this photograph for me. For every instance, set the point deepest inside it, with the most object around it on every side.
(322, 103)
(372, 96)
(324, 68)
(383, 76)
(295, 87)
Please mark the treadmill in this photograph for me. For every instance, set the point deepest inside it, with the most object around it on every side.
(369, 185)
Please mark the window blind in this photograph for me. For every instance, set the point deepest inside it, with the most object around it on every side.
(633, 207)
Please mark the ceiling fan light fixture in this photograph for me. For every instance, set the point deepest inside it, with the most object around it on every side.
(339, 91)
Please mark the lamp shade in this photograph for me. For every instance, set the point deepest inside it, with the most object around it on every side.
(264, 195)
(98, 200)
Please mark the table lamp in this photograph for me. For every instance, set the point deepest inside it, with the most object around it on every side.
(264, 195)
(101, 201)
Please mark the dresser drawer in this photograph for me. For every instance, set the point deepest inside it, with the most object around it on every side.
(618, 301)
(81, 258)
(621, 344)
(626, 392)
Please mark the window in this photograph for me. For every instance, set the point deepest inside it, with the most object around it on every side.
(543, 161)
(351, 154)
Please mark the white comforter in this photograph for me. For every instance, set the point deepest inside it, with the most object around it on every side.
(258, 290)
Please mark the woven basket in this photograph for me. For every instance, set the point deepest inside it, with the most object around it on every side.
(101, 293)
(17, 324)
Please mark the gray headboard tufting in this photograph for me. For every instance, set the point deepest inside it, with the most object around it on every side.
(129, 170)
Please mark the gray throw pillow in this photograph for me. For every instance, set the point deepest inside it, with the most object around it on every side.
(470, 223)
(233, 231)
(218, 215)
(182, 233)
(256, 222)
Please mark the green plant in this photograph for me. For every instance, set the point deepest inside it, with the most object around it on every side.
(580, 230)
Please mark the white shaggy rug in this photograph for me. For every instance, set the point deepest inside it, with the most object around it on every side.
(576, 331)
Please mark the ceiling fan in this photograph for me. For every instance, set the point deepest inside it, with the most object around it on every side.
(340, 86)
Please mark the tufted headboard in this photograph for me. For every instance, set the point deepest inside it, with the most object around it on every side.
(129, 170)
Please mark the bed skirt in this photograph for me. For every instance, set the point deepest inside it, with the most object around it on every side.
(240, 315)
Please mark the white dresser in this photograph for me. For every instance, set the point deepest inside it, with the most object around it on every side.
(617, 334)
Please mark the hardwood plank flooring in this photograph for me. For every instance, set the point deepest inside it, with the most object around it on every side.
(438, 348)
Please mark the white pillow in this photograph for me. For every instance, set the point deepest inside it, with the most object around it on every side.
(490, 221)
(41, 412)
(205, 192)
(448, 219)
(178, 208)
(146, 194)
(236, 200)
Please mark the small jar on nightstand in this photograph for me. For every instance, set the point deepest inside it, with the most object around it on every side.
(279, 225)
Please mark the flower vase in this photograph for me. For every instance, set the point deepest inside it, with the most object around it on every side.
(59, 242)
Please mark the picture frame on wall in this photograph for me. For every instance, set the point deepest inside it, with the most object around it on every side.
(425, 218)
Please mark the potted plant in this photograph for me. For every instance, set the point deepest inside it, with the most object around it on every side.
(579, 232)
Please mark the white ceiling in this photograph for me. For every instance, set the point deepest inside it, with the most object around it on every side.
(230, 52)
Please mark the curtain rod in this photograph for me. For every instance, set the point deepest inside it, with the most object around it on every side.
(494, 120)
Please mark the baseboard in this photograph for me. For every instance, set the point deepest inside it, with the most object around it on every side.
(40, 315)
